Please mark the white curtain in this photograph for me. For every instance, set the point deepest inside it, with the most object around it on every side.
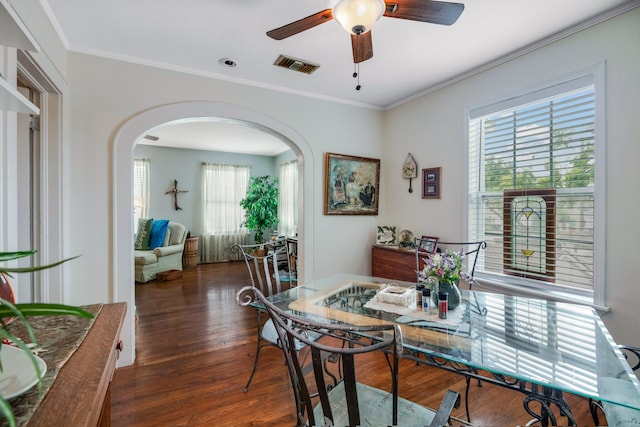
(140, 190)
(288, 199)
(223, 186)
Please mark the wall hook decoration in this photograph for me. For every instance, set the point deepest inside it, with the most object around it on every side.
(409, 170)
(175, 192)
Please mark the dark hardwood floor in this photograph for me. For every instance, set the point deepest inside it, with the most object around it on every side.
(195, 349)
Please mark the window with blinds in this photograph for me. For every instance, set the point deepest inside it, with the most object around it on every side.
(531, 187)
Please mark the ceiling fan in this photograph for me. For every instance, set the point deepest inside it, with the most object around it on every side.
(358, 16)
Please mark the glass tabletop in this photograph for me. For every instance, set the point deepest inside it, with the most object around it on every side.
(559, 345)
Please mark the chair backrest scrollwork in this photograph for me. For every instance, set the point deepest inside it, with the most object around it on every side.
(340, 341)
(262, 264)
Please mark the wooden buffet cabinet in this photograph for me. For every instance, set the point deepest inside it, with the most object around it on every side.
(80, 394)
(392, 262)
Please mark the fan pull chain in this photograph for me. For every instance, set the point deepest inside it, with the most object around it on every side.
(356, 75)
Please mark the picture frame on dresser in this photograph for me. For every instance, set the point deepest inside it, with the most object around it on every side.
(386, 235)
(429, 244)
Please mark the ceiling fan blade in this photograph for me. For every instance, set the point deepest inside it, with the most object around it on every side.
(434, 12)
(362, 46)
(301, 25)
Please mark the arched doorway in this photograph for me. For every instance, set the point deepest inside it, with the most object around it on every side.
(124, 142)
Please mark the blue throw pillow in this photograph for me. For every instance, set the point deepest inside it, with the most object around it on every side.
(158, 231)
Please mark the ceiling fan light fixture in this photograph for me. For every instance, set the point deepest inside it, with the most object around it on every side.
(358, 16)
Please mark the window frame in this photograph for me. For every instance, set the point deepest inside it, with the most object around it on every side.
(145, 185)
(292, 193)
(594, 75)
(211, 206)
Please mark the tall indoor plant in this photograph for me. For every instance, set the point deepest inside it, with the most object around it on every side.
(20, 312)
(261, 206)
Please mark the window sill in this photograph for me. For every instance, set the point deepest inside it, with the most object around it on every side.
(518, 289)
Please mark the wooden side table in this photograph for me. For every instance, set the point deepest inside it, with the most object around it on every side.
(190, 254)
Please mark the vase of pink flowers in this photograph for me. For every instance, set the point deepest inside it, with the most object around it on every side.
(441, 273)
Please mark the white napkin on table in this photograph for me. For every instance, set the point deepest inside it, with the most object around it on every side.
(398, 295)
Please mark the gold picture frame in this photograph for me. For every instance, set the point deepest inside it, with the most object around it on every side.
(351, 185)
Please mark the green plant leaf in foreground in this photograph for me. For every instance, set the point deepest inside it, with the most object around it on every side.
(8, 256)
(28, 269)
(7, 412)
(45, 309)
(21, 311)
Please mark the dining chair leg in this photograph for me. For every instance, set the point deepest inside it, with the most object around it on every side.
(255, 361)
(467, 380)
(594, 406)
(466, 397)
(253, 370)
(451, 400)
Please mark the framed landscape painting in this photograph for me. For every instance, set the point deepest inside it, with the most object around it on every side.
(351, 185)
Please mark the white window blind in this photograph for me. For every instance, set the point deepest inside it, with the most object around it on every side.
(223, 186)
(140, 190)
(531, 187)
(288, 199)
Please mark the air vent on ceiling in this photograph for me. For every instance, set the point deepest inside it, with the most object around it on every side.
(296, 64)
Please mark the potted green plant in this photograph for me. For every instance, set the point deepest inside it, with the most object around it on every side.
(261, 206)
(20, 312)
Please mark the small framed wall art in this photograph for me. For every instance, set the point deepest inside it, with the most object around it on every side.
(431, 178)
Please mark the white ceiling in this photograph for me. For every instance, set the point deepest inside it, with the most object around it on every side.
(215, 134)
(409, 57)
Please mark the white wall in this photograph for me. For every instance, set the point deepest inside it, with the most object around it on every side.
(431, 128)
(106, 94)
(185, 165)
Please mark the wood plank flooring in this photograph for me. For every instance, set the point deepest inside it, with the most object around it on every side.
(195, 349)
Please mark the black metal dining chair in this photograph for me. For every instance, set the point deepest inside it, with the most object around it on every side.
(262, 262)
(292, 257)
(617, 415)
(319, 401)
(470, 250)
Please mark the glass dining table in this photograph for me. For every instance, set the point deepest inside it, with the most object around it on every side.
(537, 347)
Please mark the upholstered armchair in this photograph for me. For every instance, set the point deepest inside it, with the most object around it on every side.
(168, 256)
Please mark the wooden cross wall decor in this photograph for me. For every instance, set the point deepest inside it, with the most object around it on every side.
(175, 192)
